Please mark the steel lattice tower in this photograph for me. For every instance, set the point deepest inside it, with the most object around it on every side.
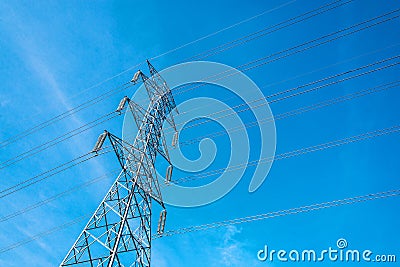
(119, 232)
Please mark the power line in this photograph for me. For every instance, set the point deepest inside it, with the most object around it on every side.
(251, 124)
(64, 115)
(280, 116)
(341, 74)
(126, 85)
(331, 65)
(193, 42)
(291, 89)
(294, 89)
(285, 155)
(112, 92)
(74, 110)
(49, 173)
(224, 29)
(326, 36)
(298, 152)
(96, 122)
(75, 221)
(248, 219)
(281, 213)
(268, 30)
(75, 132)
(298, 111)
(287, 52)
(364, 23)
(57, 196)
(311, 83)
(42, 147)
(190, 43)
(40, 235)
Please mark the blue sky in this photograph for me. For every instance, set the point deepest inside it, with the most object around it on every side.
(52, 54)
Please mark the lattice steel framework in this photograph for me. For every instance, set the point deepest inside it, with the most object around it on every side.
(119, 232)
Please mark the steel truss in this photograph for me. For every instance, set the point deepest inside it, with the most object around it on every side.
(119, 232)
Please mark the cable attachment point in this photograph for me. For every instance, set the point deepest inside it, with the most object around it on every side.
(175, 139)
(122, 104)
(168, 174)
(100, 141)
(161, 222)
(136, 77)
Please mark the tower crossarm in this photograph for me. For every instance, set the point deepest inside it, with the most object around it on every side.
(119, 232)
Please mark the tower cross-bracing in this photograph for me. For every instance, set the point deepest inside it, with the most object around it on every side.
(119, 232)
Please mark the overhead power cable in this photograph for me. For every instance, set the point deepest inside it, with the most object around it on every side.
(268, 30)
(331, 77)
(57, 196)
(125, 86)
(188, 44)
(42, 147)
(49, 173)
(325, 67)
(98, 121)
(73, 111)
(224, 29)
(305, 85)
(281, 213)
(285, 97)
(43, 234)
(248, 125)
(325, 39)
(248, 219)
(76, 220)
(383, 15)
(298, 111)
(298, 152)
(64, 115)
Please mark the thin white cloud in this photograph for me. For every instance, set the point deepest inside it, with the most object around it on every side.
(232, 251)
(223, 247)
(30, 50)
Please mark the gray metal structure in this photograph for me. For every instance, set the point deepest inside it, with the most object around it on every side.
(119, 232)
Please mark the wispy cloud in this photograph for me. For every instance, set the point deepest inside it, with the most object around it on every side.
(224, 247)
(34, 53)
(232, 251)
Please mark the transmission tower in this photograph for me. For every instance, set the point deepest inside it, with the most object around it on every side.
(119, 232)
